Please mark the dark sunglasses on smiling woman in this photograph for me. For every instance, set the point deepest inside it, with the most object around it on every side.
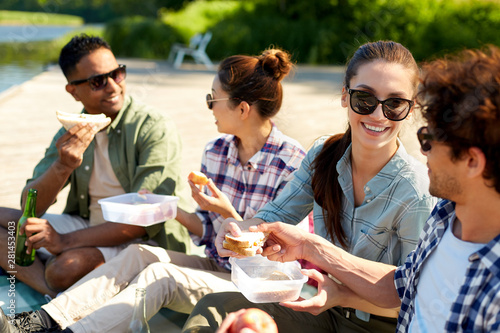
(363, 102)
(210, 100)
(98, 82)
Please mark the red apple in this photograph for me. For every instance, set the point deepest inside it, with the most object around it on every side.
(256, 320)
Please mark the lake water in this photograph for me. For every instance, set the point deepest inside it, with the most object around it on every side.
(30, 33)
(16, 73)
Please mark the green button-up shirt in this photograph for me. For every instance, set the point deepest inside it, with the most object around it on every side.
(145, 153)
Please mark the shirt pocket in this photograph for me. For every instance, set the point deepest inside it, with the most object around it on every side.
(372, 244)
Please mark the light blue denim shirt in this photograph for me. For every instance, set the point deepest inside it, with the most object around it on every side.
(385, 227)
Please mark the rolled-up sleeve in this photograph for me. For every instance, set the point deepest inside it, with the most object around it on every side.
(297, 199)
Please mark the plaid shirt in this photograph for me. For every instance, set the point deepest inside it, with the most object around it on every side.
(477, 306)
(249, 186)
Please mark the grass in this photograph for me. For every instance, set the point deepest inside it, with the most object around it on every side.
(200, 16)
(8, 17)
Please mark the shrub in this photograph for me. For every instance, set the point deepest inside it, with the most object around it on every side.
(200, 16)
(140, 37)
(315, 32)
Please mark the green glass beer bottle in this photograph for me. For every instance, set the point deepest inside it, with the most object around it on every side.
(23, 258)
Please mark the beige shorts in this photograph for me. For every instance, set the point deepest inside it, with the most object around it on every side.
(64, 223)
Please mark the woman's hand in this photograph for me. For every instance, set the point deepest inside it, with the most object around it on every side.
(228, 226)
(217, 203)
(234, 228)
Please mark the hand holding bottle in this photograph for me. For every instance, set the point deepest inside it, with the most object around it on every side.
(40, 233)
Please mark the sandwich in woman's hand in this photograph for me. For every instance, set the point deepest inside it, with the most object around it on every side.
(69, 120)
(246, 244)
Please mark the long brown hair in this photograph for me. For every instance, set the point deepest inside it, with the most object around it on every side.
(327, 191)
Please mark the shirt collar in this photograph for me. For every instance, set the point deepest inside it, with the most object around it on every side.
(232, 153)
(388, 173)
(490, 256)
(384, 177)
(259, 160)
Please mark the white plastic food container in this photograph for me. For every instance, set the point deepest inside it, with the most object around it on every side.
(264, 281)
(139, 209)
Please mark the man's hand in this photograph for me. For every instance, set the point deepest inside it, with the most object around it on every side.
(72, 144)
(217, 203)
(330, 294)
(285, 242)
(39, 233)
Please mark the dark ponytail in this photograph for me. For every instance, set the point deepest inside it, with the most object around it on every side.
(325, 184)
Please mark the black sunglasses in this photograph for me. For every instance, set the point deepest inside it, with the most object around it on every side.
(363, 102)
(210, 100)
(98, 82)
(425, 138)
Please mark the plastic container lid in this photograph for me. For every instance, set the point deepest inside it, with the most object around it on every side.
(139, 209)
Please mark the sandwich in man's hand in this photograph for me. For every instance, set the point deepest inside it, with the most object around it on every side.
(247, 244)
(69, 120)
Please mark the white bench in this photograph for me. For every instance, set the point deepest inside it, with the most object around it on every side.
(196, 49)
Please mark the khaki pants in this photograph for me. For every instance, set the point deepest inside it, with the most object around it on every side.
(103, 300)
(212, 309)
(65, 223)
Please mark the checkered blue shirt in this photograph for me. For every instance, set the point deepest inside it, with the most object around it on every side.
(477, 306)
(249, 186)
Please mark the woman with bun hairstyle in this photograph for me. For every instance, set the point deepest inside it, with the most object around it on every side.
(367, 195)
(247, 166)
(251, 162)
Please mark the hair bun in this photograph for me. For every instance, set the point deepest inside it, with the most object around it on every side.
(276, 63)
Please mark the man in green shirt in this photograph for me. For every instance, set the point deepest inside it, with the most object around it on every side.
(140, 149)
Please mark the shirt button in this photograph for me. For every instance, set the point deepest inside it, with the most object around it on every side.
(368, 200)
(82, 196)
(87, 168)
(118, 131)
(367, 189)
(473, 257)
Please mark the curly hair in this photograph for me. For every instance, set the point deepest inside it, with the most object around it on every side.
(460, 99)
(78, 47)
